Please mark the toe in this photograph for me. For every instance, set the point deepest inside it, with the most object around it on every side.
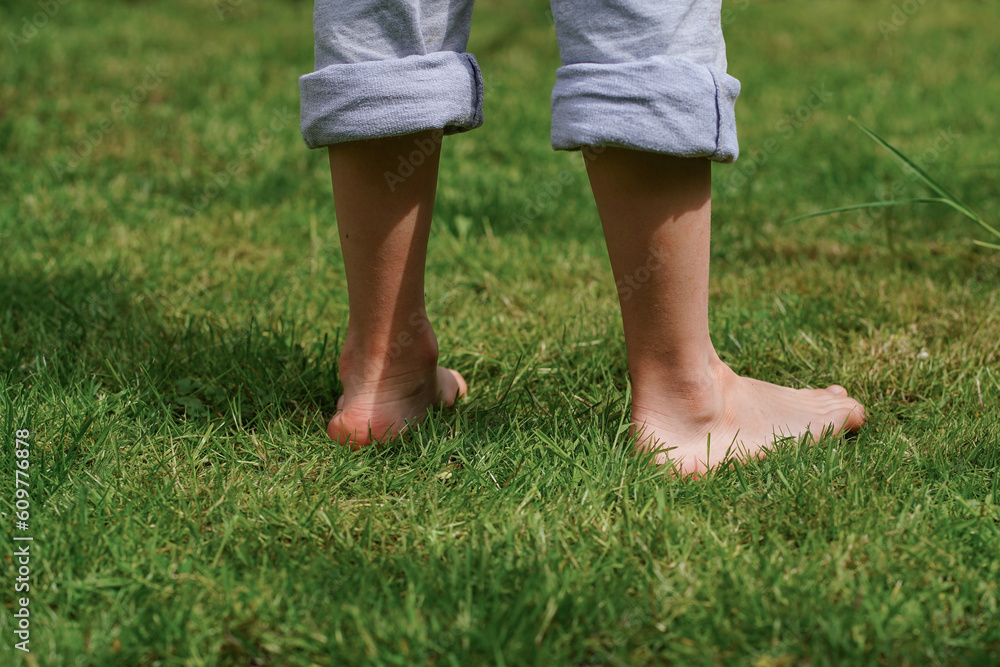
(463, 388)
(851, 417)
(837, 389)
(340, 433)
(455, 387)
(858, 417)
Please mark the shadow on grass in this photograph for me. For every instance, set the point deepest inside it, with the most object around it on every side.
(87, 333)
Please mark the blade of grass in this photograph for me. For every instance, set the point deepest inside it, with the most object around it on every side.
(874, 204)
(954, 202)
(924, 176)
(946, 196)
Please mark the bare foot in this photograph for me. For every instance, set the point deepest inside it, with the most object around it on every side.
(743, 416)
(381, 399)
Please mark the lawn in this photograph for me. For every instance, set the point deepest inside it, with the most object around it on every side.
(172, 302)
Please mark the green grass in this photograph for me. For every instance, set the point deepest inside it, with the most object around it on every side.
(916, 173)
(177, 367)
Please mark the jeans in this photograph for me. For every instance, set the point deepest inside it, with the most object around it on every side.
(641, 74)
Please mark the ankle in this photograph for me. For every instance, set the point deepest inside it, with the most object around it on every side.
(695, 390)
(372, 357)
(682, 374)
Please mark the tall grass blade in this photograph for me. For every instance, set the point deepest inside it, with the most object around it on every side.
(924, 176)
(946, 196)
(873, 204)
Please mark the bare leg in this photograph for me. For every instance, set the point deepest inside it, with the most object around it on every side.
(656, 212)
(389, 361)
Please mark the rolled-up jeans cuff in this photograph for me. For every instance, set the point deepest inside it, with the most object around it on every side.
(384, 98)
(660, 104)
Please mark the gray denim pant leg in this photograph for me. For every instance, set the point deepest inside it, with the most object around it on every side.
(390, 67)
(643, 74)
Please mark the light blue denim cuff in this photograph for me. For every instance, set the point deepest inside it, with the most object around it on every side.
(382, 98)
(660, 104)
